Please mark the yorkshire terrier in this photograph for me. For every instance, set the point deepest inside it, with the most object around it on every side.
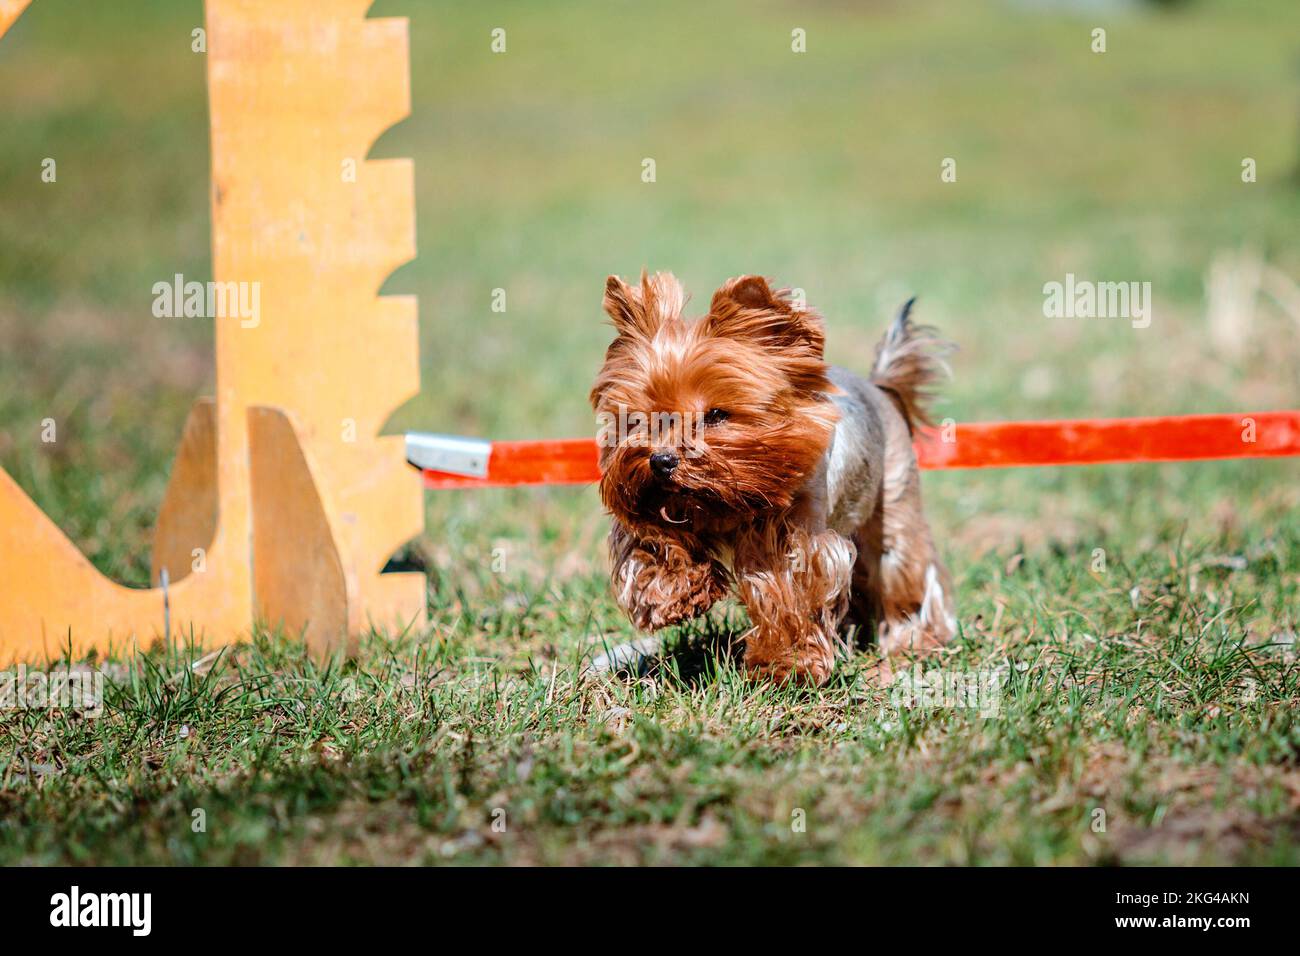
(733, 455)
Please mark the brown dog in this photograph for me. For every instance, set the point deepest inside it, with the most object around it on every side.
(733, 455)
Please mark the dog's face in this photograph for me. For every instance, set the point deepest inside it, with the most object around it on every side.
(726, 415)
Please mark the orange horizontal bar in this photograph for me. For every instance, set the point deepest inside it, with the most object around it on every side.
(572, 461)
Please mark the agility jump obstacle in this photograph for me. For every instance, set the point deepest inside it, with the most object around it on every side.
(449, 461)
(284, 503)
(282, 484)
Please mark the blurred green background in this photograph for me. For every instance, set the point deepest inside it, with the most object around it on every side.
(821, 169)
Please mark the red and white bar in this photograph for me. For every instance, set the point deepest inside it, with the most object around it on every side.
(572, 461)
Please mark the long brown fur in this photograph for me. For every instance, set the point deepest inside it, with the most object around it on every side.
(909, 364)
(727, 489)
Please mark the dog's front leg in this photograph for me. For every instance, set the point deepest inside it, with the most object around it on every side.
(661, 581)
(795, 584)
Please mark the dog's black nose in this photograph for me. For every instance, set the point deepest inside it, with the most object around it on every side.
(663, 463)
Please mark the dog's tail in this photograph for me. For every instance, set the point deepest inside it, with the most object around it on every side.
(909, 363)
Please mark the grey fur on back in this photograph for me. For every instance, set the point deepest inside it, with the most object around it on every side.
(856, 460)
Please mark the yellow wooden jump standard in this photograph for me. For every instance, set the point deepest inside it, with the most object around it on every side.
(284, 503)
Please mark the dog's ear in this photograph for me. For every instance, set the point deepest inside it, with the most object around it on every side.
(639, 312)
(753, 292)
(747, 308)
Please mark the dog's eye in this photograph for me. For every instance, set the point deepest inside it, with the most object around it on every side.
(715, 416)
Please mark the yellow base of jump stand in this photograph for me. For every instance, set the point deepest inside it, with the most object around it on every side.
(284, 502)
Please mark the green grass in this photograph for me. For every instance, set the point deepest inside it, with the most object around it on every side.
(1161, 690)
(1149, 691)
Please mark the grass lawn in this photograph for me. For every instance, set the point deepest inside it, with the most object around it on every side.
(1140, 621)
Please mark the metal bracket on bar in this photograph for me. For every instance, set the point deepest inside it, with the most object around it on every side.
(454, 454)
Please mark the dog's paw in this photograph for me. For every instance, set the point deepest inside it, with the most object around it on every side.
(656, 597)
(810, 669)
